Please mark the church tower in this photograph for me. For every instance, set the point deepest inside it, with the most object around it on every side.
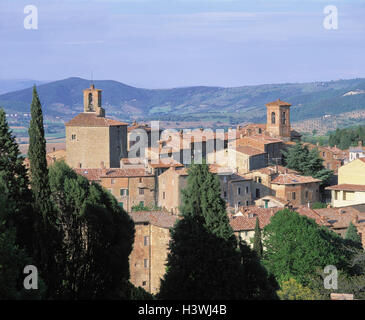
(278, 119)
(92, 101)
(92, 140)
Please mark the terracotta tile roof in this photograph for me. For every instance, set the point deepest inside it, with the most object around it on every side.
(278, 103)
(272, 170)
(313, 214)
(262, 138)
(275, 199)
(92, 120)
(90, 174)
(347, 187)
(98, 174)
(143, 126)
(247, 221)
(161, 164)
(341, 217)
(291, 178)
(249, 150)
(156, 218)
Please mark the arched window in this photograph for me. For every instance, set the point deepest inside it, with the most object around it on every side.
(90, 101)
(273, 117)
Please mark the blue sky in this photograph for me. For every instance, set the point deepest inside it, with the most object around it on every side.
(173, 43)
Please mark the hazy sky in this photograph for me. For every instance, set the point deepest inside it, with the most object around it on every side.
(171, 43)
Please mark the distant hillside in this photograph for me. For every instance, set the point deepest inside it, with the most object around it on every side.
(64, 98)
(16, 84)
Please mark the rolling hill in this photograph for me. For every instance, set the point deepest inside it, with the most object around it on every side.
(63, 98)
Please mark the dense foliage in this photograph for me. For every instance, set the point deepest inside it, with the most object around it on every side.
(307, 162)
(345, 138)
(295, 246)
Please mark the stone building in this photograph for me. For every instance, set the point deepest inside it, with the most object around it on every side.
(350, 189)
(131, 187)
(285, 184)
(92, 140)
(149, 255)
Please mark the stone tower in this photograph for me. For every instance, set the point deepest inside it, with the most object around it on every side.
(92, 140)
(92, 101)
(278, 119)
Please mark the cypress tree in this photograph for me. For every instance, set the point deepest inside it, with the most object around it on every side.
(205, 259)
(257, 244)
(15, 185)
(48, 235)
(352, 234)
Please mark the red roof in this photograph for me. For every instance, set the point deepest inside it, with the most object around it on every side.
(291, 178)
(97, 174)
(347, 187)
(278, 103)
(92, 120)
(156, 218)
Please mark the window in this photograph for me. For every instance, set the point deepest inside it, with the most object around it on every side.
(306, 194)
(145, 240)
(225, 194)
(239, 190)
(141, 191)
(80, 164)
(283, 118)
(73, 137)
(163, 195)
(257, 193)
(336, 195)
(144, 283)
(145, 263)
(247, 190)
(120, 204)
(247, 203)
(293, 195)
(141, 203)
(112, 181)
(123, 192)
(260, 180)
(273, 117)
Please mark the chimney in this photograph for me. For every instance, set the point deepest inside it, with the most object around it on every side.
(355, 220)
(54, 149)
(286, 170)
(276, 169)
(102, 165)
(360, 144)
(238, 127)
(309, 205)
(328, 206)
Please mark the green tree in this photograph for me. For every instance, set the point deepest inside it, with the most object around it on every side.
(352, 234)
(257, 243)
(293, 290)
(15, 185)
(13, 259)
(98, 240)
(48, 234)
(295, 246)
(319, 205)
(307, 162)
(205, 259)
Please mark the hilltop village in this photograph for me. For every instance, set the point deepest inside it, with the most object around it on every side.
(146, 169)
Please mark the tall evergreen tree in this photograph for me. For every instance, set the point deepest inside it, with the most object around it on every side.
(205, 259)
(48, 234)
(257, 243)
(15, 185)
(352, 234)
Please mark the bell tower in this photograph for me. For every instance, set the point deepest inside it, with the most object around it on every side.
(92, 101)
(278, 119)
